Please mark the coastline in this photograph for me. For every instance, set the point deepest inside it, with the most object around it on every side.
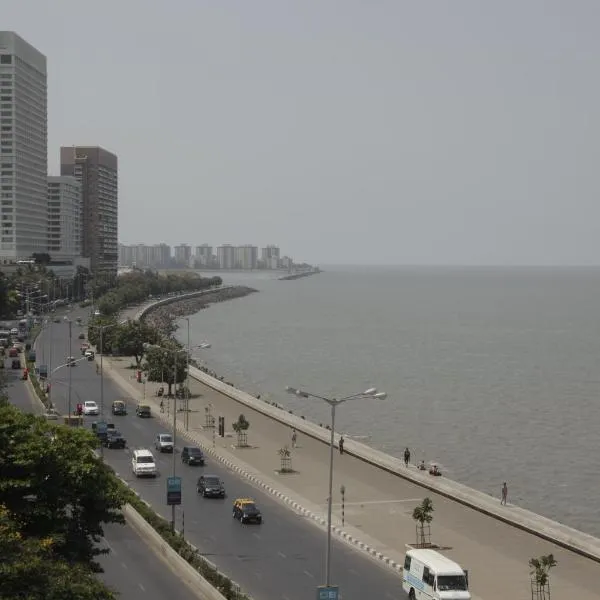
(575, 540)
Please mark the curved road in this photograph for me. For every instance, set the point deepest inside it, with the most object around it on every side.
(281, 559)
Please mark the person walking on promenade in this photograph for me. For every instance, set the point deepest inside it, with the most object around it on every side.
(504, 493)
(162, 405)
(294, 438)
(406, 456)
(341, 445)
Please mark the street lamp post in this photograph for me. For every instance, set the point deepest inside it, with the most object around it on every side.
(70, 369)
(333, 404)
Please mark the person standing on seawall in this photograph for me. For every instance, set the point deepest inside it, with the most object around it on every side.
(504, 493)
(406, 456)
(341, 445)
(294, 438)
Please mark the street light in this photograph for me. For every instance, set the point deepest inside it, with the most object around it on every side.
(175, 352)
(333, 403)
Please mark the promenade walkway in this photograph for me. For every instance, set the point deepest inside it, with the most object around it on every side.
(379, 504)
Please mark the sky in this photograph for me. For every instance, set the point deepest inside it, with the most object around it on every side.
(458, 132)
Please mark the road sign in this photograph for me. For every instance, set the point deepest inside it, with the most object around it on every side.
(173, 490)
(328, 592)
(101, 427)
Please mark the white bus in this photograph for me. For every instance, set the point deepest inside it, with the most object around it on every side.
(427, 574)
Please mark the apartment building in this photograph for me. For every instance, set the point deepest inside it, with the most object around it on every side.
(203, 255)
(246, 257)
(64, 218)
(23, 149)
(226, 256)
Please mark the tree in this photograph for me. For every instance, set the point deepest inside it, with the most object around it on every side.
(41, 258)
(422, 514)
(540, 577)
(108, 326)
(130, 338)
(240, 427)
(55, 487)
(161, 361)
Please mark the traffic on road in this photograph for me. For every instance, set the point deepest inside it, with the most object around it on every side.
(269, 550)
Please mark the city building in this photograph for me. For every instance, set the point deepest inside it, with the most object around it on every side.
(246, 257)
(126, 255)
(226, 256)
(183, 253)
(203, 255)
(270, 257)
(161, 255)
(142, 256)
(64, 219)
(23, 149)
(97, 170)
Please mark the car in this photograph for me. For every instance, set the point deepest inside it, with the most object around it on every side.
(192, 455)
(210, 486)
(107, 428)
(143, 410)
(114, 439)
(82, 336)
(89, 355)
(52, 414)
(71, 362)
(164, 442)
(57, 320)
(15, 364)
(90, 408)
(246, 511)
(13, 353)
(143, 463)
(96, 313)
(119, 408)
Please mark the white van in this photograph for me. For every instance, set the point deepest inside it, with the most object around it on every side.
(427, 574)
(143, 463)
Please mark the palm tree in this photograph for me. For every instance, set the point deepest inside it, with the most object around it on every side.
(540, 577)
(422, 514)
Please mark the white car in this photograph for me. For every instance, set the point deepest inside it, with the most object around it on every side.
(143, 463)
(164, 442)
(90, 408)
(96, 313)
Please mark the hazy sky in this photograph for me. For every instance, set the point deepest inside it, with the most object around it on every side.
(346, 131)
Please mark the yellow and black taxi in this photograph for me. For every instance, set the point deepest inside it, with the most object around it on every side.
(246, 511)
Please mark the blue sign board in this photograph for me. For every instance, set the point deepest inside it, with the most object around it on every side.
(328, 592)
(173, 490)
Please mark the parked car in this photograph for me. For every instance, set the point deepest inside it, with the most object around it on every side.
(90, 408)
(143, 410)
(192, 455)
(114, 439)
(164, 442)
(210, 486)
(119, 408)
(246, 511)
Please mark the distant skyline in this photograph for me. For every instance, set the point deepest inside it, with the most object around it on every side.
(395, 132)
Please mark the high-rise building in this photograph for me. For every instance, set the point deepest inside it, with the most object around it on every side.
(183, 253)
(246, 257)
(126, 255)
(64, 218)
(97, 170)
(270, 257)
(226, 256)
(23, 149)
(203, 254)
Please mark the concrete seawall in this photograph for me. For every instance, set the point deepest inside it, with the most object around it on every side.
(557, 533)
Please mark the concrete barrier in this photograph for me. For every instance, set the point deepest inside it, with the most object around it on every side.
(188, 574)
(552, 531)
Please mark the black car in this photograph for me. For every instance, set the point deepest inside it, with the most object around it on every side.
(210, 486)
(192, 456)
(114, 439)
(246, 511)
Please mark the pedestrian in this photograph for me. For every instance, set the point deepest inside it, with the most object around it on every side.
(406, 456)
(294, 438)
(162, 406)
(504, 493)
(341, 445)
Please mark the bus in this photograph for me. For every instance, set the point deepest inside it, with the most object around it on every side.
(429, 575)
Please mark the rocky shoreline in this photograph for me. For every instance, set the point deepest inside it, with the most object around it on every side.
(163, 317)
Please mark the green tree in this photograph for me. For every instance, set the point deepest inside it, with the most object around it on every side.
(423, 515)
(29, 569)
(540, 575)
(167, 364)
(108, 326)
(130, 338)
(55, 487)
(41, 258)
(241, 426)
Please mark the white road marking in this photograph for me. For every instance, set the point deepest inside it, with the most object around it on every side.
(309, 574)
(256, 536)
(282, 554)
(142, 587)
(124, 565)
(378, 502)
(113, 551)
(258, 575)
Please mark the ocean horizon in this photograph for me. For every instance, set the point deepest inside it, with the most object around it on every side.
(490, 371)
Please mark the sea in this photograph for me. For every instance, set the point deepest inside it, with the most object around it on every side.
(493, 373)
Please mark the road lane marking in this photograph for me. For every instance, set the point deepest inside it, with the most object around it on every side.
(256, 536)
(124, 565)
(309, 574)
(282, 554)
(110, 547)
(142, 587)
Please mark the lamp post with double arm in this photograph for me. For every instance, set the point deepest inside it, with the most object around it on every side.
(333, 404)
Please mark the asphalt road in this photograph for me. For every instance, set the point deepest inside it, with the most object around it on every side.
(281, 559)
(130, 568)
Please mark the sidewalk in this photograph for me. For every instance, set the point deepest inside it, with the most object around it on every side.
(378, 505)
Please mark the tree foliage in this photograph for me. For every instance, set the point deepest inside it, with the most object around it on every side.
(423, 515)
(242, 424)
(55, 497)
(105, 326)
(130, 338)
(540, 573)
(167, 363)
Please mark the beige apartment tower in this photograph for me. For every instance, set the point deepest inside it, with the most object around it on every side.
(97, 170)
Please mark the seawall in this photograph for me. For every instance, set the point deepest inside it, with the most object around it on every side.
(562, 535)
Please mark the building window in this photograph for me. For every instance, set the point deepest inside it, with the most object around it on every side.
(6, 59)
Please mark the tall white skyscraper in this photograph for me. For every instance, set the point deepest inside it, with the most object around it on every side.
(23, 149)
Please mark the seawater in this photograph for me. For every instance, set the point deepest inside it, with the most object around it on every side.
(492, 373)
